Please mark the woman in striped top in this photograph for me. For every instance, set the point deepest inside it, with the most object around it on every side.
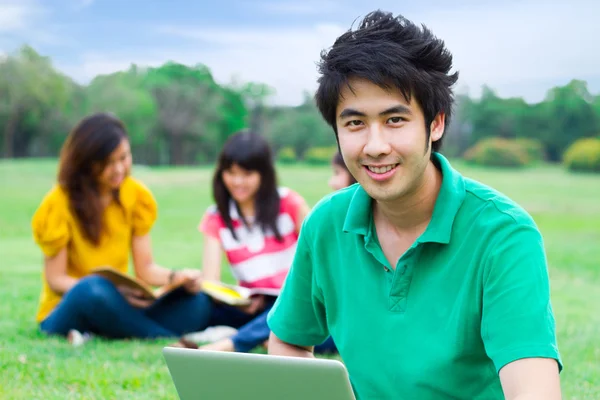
(255, 224)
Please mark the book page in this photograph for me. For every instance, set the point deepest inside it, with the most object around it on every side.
(120, 279)
(229, 294)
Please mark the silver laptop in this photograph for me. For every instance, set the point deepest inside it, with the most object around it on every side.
(212, 375)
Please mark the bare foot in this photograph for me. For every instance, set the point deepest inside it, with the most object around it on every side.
(221, 345)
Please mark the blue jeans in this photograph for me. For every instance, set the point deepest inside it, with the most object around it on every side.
(94, 305)
(253, 329)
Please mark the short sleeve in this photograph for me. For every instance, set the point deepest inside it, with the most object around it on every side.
(517, 317)
(50, 224)
(145, 211)
(298, 315)
(293, 203)
(210, 223)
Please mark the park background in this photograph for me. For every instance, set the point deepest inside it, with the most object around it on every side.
(534, 137)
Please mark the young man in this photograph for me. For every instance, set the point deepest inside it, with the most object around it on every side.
(433, 286)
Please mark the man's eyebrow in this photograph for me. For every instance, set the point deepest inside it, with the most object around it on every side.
(399, 109)
(350, 112)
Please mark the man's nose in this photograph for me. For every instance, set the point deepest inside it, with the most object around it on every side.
(377, 142)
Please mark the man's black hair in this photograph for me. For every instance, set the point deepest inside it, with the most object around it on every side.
(391, 52)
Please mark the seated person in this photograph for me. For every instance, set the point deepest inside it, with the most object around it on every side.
(93, 217)
(256, 224)
(448, 275)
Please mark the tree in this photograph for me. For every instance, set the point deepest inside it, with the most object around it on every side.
(31, 93)
(187, 101)
(124, 95)
(300, 128)
(255, 96)
(568, 114)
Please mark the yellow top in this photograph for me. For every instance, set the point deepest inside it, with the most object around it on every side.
(55, 227)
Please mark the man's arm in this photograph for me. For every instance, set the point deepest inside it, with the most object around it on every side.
(297, 319)
(518, 326)
(531, 379)
(278, 347)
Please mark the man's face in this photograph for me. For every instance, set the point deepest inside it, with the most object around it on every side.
(383, 139)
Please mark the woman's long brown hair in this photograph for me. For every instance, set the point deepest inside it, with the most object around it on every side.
(83, 157)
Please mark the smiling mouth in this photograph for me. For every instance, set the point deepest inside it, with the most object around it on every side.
(381, 170)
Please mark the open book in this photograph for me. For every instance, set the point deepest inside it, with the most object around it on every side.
(230, 294)
(120, 279)
(234, 295)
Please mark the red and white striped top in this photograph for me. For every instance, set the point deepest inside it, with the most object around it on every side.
(258, 260)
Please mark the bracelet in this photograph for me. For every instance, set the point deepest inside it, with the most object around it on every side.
(172, 275)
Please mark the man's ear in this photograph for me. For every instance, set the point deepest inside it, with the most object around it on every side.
(437, 127)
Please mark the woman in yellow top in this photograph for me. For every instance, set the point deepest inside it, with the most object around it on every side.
(93, 217)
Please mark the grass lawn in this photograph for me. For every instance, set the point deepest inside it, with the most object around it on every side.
(566, 207)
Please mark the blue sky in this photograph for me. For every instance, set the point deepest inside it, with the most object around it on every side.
(519, 48)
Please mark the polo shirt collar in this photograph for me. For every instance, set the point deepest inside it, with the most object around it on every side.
(359, 216)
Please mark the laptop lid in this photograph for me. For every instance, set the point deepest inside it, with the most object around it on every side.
(208, 375)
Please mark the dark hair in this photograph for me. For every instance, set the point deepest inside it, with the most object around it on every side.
(83, 156)
(339, 160)
(391, 52)
(251, 152)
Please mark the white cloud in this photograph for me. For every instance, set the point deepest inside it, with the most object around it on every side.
(521, 49)
(26, 21)
(518, 46)
(16, 16)
(94, 64)
(283, 59)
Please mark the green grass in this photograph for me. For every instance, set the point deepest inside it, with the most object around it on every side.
(565, 206)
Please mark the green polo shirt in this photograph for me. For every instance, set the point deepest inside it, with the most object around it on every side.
(469, 296)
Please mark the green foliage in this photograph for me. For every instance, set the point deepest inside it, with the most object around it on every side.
(123, 94)
(34, 102)
(320, 155)
(188, 102)
(178, 114)
(287, 155)
(300, 128)
(497, 152)
(567, 113)
(534, 149)
(583, 155)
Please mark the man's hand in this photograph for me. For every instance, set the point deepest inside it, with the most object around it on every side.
(190, 278)
(134, 297)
